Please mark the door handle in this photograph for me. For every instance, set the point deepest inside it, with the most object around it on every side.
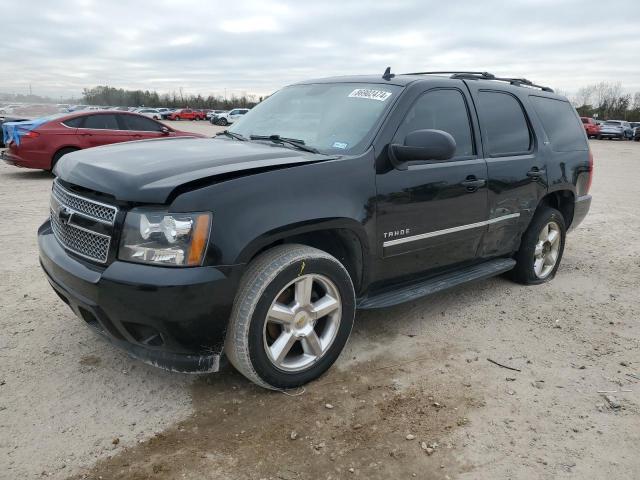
(536, 173)
(472, 183)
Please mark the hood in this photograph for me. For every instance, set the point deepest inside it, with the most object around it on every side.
(148, 171)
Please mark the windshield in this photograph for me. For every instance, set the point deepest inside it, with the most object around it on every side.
(330, 117)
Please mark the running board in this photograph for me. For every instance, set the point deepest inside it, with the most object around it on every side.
(437, 284)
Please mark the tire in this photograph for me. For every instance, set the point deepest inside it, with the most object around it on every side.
(599, 137)
(59, 154)
(534, 250)
(311, 345)
(223, 122)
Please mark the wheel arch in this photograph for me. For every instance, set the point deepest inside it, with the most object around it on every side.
(561, 200)
(60, 149)
(342, 238)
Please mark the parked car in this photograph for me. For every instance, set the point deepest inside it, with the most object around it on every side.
(229, 117)
(634, 126)
(591, 127)
(186, 114)
(616, 129)
(636, 134)
(150, 113)
(331, 195)
(40, 143)
(212, 114)
(165, 114)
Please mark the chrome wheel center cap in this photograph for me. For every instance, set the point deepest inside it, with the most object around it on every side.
(302, 324)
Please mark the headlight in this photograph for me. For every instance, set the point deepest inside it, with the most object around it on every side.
(159, 237)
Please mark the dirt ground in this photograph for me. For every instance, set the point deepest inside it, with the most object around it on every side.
(412, 396)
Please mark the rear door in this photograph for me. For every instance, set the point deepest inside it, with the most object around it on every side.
(432, 215)
(516, 167)
(141, 128)
(101, 129)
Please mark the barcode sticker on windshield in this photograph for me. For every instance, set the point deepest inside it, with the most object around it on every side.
(370, 94)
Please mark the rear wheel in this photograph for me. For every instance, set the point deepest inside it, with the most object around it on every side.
(59, 154)
(223, 122)
(291, 317)
(541, 248)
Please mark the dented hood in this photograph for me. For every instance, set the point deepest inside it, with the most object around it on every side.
(148, 171)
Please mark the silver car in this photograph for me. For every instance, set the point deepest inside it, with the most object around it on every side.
(616, 129)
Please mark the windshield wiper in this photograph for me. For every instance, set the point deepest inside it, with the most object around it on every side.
(227, 133)
(294, 142)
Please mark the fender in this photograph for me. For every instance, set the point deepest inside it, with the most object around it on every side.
(253, 211)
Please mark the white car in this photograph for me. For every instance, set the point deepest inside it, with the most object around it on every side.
(149, 112)
(229, 117)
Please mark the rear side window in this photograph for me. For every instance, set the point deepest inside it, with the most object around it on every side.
(440, 110)
(101, 122)
(559, 121)
(74, 122)
(504, 125)
(140, 123)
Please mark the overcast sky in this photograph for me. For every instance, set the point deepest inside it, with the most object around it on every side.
(62, 46)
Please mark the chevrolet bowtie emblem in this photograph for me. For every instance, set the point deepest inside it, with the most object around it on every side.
(64, 215)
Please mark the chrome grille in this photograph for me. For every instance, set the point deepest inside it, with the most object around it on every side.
(89, 208)
(67, 209)
(91, 245)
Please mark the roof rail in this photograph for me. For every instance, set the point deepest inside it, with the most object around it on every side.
(486, 76)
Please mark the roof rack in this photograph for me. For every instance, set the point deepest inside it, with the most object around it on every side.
(486, 76)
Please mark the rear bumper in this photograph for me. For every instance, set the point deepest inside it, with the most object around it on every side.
(39, 160)
(172, 318)
(580, 210)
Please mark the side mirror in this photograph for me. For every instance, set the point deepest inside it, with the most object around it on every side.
(421, 145)
(165, 130)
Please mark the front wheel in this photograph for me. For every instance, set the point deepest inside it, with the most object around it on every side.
(223, 122)
(541, 248)
(291, 317)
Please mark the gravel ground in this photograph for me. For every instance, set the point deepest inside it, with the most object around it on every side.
(412, 396)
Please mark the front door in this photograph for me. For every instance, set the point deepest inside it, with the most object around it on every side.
(433, 215)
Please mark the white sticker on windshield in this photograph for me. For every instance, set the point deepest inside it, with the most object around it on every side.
(370, 94)
(340, 145)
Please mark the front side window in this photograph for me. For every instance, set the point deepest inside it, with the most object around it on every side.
(560, 124)
(140, 123)
(335, 118)
(101, 122)
(440, 110)
(503, 124)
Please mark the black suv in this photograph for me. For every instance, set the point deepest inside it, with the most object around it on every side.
(331, 195)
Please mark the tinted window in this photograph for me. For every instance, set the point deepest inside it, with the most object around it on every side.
(233, 112)
(560, 124)
(503, 124)
(101, 122)
(140, 123)
(74, 122)
(440, 110)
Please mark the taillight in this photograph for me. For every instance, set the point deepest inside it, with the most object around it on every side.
(590, 179)
(29, 134)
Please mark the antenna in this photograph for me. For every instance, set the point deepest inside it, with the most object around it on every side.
(387, 75)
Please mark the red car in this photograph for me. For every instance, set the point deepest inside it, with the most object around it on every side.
(187, 114)
(590, 126)
(40, 143)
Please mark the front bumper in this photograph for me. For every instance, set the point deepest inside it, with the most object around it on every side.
(172, 318)
(580, 210)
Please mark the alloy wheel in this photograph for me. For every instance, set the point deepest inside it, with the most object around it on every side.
(547, 250)
(302, 322)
